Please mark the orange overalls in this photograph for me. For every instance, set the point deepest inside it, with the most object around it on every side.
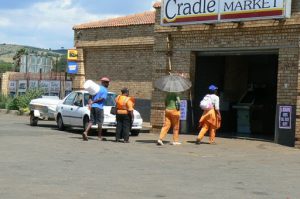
(209, 121)
(172, 119)
(124, 106)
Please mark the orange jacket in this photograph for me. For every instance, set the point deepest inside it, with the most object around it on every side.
(124, 104)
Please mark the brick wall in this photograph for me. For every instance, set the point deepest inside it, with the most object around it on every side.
(124, 54)
(263, 34)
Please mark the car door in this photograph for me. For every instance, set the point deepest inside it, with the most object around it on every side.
(66, 108)
(77, 110)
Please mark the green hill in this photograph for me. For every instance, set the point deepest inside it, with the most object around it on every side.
(7, 51)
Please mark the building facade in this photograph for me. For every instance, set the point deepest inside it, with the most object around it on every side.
(255, 64)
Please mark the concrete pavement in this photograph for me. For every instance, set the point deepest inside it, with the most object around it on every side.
(42, 162)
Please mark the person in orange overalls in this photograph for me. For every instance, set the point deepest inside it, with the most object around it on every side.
(124, 115)
(210, 119)
(172, 118)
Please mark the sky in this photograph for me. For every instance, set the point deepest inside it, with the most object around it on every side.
(48, 23)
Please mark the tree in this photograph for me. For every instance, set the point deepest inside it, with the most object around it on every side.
(17, 58)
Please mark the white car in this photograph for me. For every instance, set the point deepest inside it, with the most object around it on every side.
(73, 111)
(43, 108)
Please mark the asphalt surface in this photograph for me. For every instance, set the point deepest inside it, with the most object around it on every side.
(42, 162)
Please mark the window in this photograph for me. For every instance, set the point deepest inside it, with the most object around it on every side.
(70, 99)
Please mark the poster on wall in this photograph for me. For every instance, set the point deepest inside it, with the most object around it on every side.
(45, 86)
(68, 87)
(285, 117)
(12, 88)
(22, 87)
(183, 109)
(33, 84)
(54, 88)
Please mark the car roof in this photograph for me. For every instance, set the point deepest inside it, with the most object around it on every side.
(84, 91)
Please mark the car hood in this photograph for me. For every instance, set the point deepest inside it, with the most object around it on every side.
(44, 101)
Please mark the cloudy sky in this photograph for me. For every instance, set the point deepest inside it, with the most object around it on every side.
(48, 23)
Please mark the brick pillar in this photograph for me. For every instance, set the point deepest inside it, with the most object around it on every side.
(79, 79)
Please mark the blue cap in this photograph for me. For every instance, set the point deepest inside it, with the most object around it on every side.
(212, 87)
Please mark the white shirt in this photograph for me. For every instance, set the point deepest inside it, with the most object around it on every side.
(215, 100)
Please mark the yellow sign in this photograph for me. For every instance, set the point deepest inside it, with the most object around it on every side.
(72, 55)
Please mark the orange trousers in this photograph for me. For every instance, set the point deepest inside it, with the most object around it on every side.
(172, 119)
(212, 132)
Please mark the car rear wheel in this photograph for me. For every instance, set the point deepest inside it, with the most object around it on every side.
(33, 120)
(60, 123)
(135, 132)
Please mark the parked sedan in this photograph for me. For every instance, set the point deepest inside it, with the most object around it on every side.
(74, 112)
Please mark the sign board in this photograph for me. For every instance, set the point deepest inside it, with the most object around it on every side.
(285, 117)
(72, 68)
(72, 55)
(183, 109)
(182, 12)
(12, 86)
(22, 86)
(33, 84)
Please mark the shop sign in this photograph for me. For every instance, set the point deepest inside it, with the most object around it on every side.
(180, 12)
(72, 55)
(285, 118)
(72, 67)
(183, 109)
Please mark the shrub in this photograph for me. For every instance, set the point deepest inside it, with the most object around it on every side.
(21, 102)
(4, 100)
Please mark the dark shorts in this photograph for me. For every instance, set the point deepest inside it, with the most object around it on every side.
(97, 116)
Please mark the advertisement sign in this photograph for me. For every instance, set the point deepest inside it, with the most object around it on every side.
(183, 109)
(45, 85)
(12, 86)
(22, 87)
(285, 117)
(72, 55)
(215, 11)
(33, 84)
(72, 68)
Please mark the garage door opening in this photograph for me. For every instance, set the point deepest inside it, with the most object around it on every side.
(247, 89)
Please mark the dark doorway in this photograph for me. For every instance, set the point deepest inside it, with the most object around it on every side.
(244, 81)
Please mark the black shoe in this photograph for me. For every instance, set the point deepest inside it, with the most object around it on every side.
(198, 142)
(126, 141)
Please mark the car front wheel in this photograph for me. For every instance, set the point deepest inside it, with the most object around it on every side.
(33, 120)
(60, 123)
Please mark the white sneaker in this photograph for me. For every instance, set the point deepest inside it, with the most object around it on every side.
(176, 143)
(160, 142)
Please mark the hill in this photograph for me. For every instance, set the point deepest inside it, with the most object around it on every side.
(7, 51)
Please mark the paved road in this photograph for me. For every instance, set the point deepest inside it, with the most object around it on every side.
(42, 162)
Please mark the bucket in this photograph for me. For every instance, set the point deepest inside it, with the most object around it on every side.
(91, 87)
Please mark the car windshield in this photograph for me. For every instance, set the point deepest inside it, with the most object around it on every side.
(110, 100)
